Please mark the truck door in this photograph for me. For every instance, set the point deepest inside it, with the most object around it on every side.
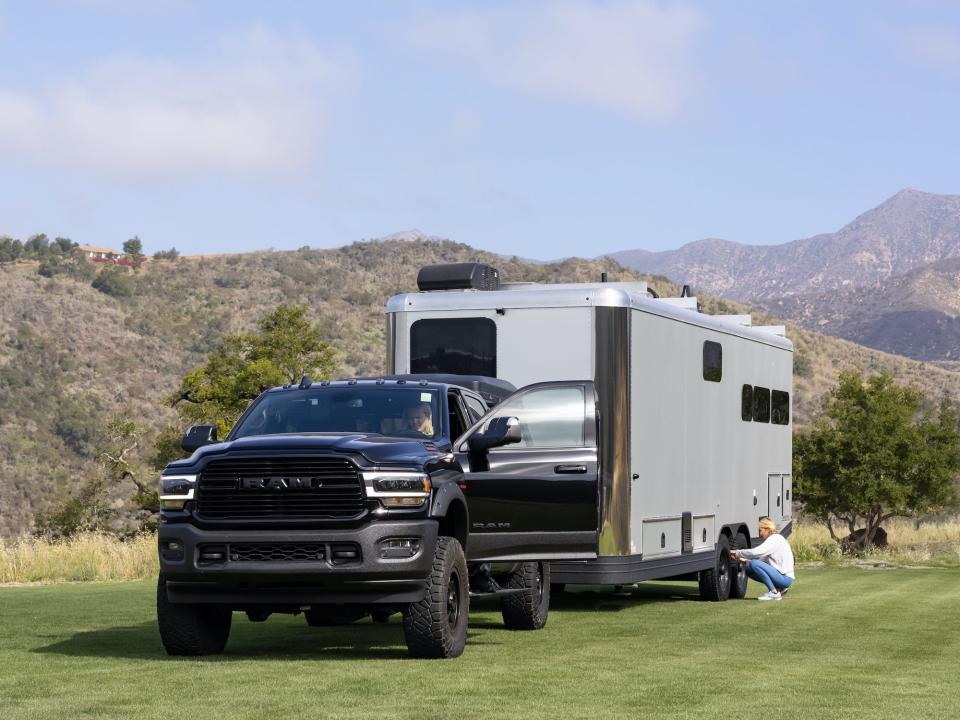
(538, 498)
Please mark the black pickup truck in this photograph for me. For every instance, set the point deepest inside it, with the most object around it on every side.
(355, 497)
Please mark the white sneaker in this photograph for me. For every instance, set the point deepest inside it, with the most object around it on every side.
(771, 595)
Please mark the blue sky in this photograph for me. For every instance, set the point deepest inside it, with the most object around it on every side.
(543, 129)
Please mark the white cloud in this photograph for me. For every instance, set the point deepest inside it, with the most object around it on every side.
(936, 46)
(630, 55)
(254, 107)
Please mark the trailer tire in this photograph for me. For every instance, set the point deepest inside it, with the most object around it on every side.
(527, 610)
(715, 581)
(436, 627)
(738, 572)
(191, 629)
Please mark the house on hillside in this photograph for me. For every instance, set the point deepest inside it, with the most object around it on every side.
(100, 254)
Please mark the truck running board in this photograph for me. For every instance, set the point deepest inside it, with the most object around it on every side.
(502, 592)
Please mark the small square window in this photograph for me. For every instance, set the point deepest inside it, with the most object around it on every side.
(712, 361)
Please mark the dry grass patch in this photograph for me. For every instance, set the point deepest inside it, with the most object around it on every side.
(89, 556)
(932, 541)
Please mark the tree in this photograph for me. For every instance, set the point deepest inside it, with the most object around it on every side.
(134, 248)
(877, 451)
(285, 347)
(10, 249)
(113, 281)
(171, 254)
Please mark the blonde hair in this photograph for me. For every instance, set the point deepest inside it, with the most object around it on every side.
(767, 524)
(427, 428)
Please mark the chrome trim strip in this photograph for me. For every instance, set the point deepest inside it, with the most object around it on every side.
(612, 378)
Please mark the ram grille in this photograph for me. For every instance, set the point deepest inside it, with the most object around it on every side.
(280, 489)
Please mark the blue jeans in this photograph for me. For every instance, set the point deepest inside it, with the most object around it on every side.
(768, 575)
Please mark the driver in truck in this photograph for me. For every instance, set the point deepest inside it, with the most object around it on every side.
(419, 418)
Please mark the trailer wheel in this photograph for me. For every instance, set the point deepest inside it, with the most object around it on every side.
(436, 627)
(738, 571)
(191, 629)
(527, 610)
(715, 582)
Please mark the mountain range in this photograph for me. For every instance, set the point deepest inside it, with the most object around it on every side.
(888, 279)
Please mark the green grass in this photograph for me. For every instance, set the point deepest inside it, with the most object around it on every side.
(845, 643)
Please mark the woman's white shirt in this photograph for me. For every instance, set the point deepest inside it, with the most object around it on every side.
(775, 550)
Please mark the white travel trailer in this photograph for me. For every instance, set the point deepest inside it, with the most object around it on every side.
(693, 412)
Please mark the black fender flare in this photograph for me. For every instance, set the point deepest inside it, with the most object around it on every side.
(451, 509)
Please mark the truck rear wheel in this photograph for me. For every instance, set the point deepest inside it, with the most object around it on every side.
(738, 570)
(436, 627)
(527, 610)
(715, 582)
(190, 629)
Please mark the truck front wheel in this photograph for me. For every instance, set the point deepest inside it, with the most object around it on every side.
(191, 629)
(436, 627)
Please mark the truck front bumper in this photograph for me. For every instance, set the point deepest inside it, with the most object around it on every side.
(243, 568)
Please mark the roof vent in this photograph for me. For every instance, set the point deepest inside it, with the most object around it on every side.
(458, 276)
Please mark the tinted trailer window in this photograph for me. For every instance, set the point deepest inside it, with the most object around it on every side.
(461, 346)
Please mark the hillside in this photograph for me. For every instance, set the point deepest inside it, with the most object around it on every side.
(908, 230)
(72, 357)
(916, 314)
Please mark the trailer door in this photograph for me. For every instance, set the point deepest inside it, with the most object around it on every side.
(538, 498)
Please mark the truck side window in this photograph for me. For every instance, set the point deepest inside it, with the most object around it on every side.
(761, 404)
(712, 361)
(458, 424)
(549, 417)
(746, 403)
(475, 408)
(780, 410)
(461, 346)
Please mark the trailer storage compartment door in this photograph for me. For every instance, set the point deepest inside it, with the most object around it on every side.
(775, 496)
(787, 501)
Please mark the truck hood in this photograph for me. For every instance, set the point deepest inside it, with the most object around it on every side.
(375, 449)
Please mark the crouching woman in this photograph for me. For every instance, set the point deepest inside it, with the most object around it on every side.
(770, 562)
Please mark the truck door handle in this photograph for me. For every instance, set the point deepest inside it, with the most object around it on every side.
(570, 469)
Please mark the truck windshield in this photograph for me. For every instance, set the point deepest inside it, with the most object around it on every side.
(402, 412)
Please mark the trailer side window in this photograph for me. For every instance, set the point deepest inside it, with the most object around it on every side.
(460, 346)
(712, 361)
(746, 403)
(780, 410)
(761, 404)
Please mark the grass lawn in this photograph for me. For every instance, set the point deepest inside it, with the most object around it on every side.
(845, 643)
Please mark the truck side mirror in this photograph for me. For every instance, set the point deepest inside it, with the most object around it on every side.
(197, 436)
(500, 431)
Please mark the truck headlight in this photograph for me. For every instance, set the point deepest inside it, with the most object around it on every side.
(398, 489)
(176, 490)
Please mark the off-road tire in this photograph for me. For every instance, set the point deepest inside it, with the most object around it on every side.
(738, 571)
(527, 610)
(333, 616)
(715, 581)
(436, 627)
(189, 629)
